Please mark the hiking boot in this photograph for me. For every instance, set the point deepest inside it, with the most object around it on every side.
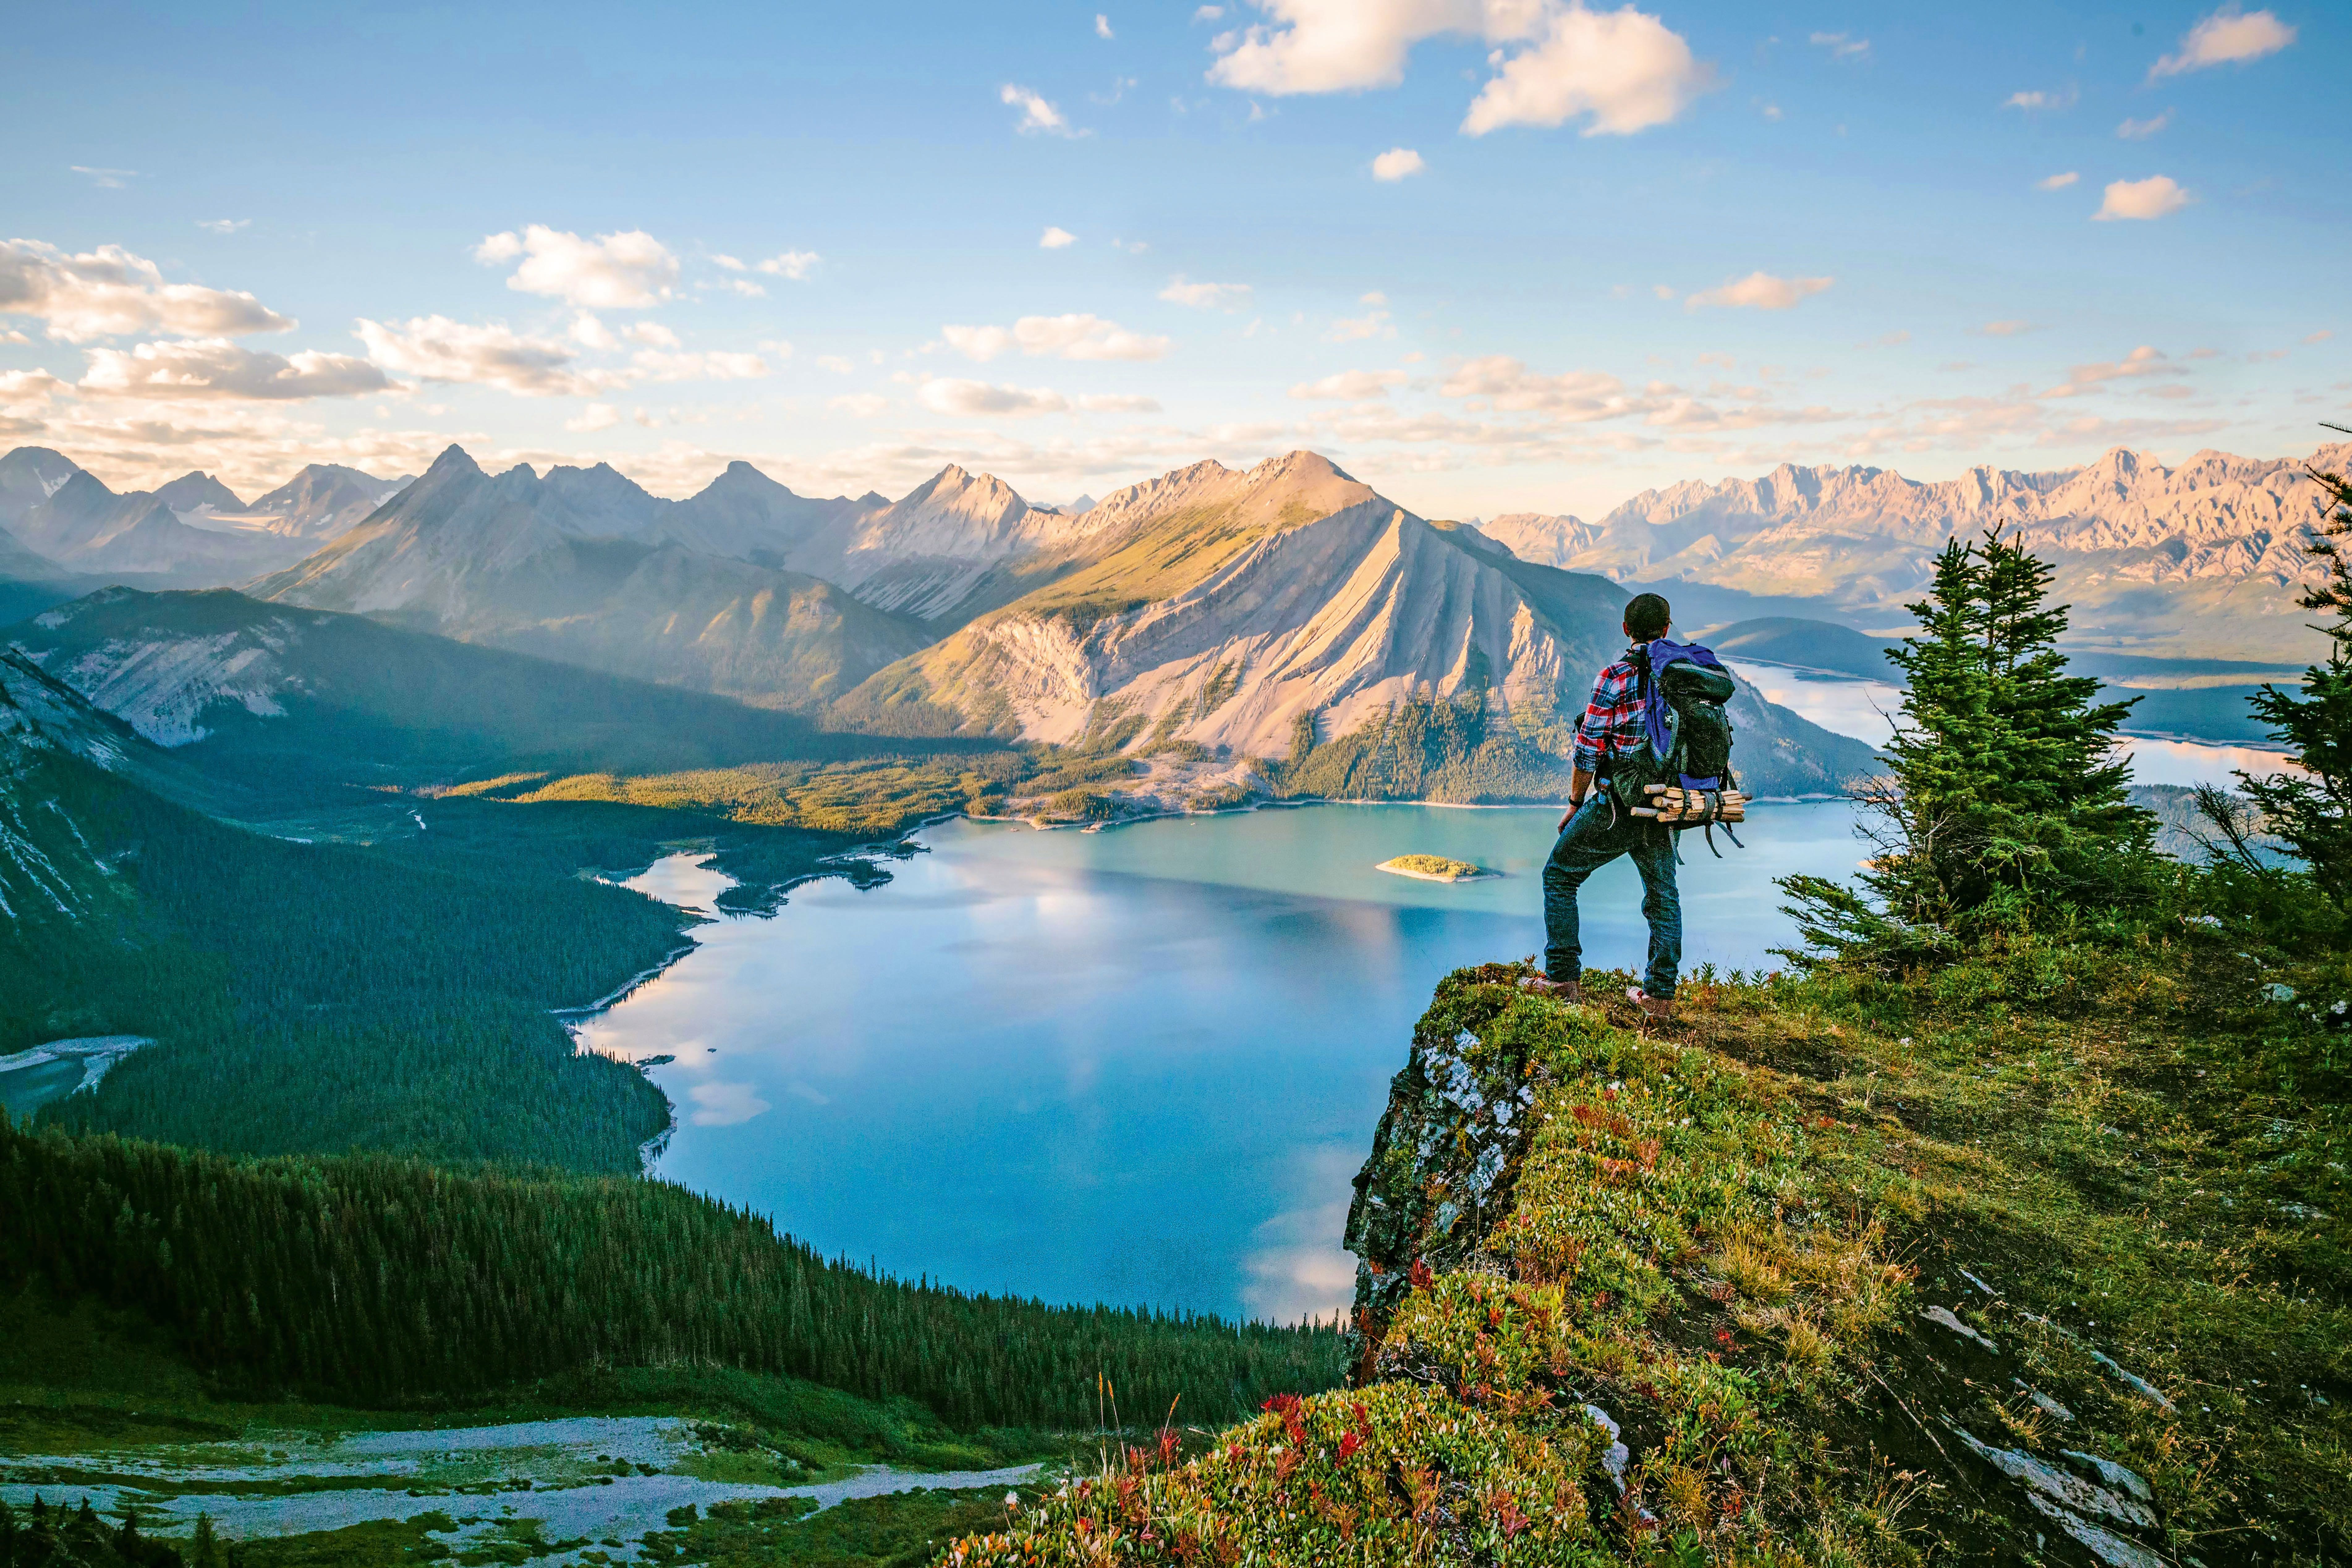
(1569, 991)
(1654, 1006)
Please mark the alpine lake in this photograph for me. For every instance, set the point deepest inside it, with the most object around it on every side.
(1141, 1065)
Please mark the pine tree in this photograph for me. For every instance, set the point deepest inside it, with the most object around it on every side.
(2006, 795)
(2312, 813)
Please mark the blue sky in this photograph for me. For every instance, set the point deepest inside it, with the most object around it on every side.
(1612, 249)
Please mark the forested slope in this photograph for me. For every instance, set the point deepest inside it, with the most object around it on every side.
(380, 1279)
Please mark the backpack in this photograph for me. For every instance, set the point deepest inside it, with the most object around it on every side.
(1682, 772)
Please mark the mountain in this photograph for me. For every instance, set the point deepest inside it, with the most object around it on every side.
(216, 675)
(1290, 607)
(318, 503)
(2197, 559)
(745, 514)
(944, 551)
(87, 528)
(30, 476)
(198, 492)
(536, 564)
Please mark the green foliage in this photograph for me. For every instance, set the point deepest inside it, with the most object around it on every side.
(387, 1006)
(904, 1530)
(52, 1536)
(2313, 813)
(2008, 799)
(377, 1280)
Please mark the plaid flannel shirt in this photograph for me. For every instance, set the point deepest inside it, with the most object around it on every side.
(1612, 725)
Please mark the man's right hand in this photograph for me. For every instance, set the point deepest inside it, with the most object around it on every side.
(1567, 816)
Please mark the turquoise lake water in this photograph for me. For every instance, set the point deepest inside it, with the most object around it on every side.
(1137, 1066)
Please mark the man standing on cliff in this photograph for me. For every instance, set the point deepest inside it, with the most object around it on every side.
(1596, 830)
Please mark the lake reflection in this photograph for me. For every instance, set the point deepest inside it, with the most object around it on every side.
(1136, 1066)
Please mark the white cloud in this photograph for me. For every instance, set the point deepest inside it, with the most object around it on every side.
(744, 286)
(595, 417)
(1119, 403)
(1508, 384)
(628, 270)
(2228, 36)
(2057, 182)
(2003, 329)
(1078, 337)
(724, 1104)
(435, 348)
(216, 368)
(1396, 163)
(834, 363)
(795, 265)
(2153, 197)
(2141, 130)
(1205, 296)
(859, 405)
(1842, 45)
(1354, 328)
(1353, 385)
(110, 291)
(653, 334)
(105, 179)
(224, 224)
(2038, 99)
(1373, 298)
(966, 398)
(1758, 291)
(1663, 290)
(2320, 336)
(2142, 362)
(1209, 14)
(1037, 116)
(732, 264)
(1626, 70)
(1102, 27)
(1055, 237)
(1085, 337)
(979, 344)
(654, 365)
(589, 332)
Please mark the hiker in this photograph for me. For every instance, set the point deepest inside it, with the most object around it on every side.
(1596, 828)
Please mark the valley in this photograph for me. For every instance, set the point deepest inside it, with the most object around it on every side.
(640, 848)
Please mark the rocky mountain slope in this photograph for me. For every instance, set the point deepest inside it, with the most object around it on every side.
(243, 689)
(66, 515)
(49, 874)
(953, 546)
(1265, 612)
(319, 503)
(547, 566)
(2197, 559)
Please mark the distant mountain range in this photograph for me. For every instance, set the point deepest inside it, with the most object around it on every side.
(1261, 613)
(578, 566)
(194, 529)
(2200, 558)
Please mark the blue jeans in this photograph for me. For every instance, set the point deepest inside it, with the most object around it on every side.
(1590, 841)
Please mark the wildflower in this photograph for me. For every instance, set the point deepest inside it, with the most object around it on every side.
(1349, 1444)
(1723, 1336)
(1420, 1277)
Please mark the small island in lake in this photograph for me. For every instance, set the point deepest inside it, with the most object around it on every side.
(1435, 869)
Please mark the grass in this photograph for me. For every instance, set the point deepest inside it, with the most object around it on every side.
(1723, 1232)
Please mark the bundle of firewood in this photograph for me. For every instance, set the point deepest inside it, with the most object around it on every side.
(1671, 803)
